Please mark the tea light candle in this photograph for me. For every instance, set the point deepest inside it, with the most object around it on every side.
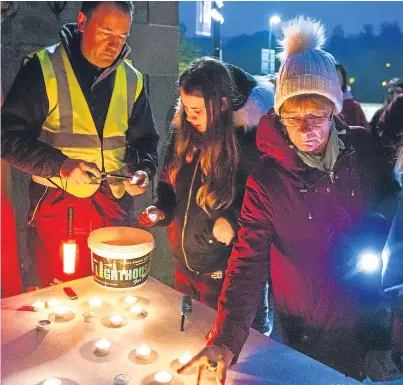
(136, 310)
(89, 316)
(43, 325)
(121, 379)
(52, 381)
(103, 346)
(143, 352)
(95, 302)
(61, 311)
(53, 303)
(130, 300)
(163, 377)
(116, 320)
(38, 306)
(185, 358)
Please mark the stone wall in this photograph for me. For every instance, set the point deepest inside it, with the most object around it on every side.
(154, 40)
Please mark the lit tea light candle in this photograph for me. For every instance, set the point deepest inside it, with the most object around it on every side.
(116, 320)
(38, 306)
(136, 310)
(185, 358)
(95, 302)
(53, 303)
(53, 381)
(103, 347)
(163, 377)
(130, 300)
(143, 352)
(43, 325)
(61, 311)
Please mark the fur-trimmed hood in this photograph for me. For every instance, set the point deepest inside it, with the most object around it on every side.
(258, 102)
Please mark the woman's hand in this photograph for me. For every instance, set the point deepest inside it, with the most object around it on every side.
(150, 216)
(211, 358)
(223, 231)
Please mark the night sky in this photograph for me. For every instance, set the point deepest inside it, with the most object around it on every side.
(351, 15)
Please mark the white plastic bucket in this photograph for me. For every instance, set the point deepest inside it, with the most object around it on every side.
(120, 256)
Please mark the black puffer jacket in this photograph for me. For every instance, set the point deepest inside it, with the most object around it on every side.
(189, 227)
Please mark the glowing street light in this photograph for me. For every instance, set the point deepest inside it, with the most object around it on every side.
(384, 83)
(273, 20)
(351, 80)
(387, 65)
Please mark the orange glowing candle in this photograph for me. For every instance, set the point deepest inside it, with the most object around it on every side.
(70, 246)
(69, 257)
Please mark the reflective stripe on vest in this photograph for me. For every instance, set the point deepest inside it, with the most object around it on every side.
(69, 125)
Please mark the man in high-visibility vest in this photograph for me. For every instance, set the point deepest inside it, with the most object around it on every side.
(76, 113)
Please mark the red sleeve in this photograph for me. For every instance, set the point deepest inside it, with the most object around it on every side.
(11, 283)
(247, 271)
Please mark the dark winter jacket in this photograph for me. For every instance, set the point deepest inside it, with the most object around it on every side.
(352, 113)
(203, 253)
(301, 215)
(26, 107)
(390, 128)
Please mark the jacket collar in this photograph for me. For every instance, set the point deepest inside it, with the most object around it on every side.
(274, 143)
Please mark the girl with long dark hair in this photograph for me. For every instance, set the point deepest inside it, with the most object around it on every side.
(211, 152)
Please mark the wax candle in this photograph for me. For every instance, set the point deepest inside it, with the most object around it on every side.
(122, 379)
(95, 302)
(185, 358)
(130, 300)
(53, 381)
(116, 320)
(143, 352)
(136, 310)
(38, 306)
(61, 311)
(69, 257)
(103, 347)
(43, 325)
(89, 316)
(53, 303)
(163, 377)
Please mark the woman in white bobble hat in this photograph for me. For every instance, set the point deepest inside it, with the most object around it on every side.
(312, 189)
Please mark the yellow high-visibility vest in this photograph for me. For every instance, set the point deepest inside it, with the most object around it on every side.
(69, 125)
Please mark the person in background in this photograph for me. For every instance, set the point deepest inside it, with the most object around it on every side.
(212, 151)
(395, 88)
(351, 113)
(390, 128)
(315, 186)
(76, 109)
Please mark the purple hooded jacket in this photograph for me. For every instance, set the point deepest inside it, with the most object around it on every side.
(293, 219)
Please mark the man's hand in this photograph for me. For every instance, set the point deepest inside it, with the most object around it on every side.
(138, 185)
(211, 358)
(150, 216)
(223, 231)
(75, 171)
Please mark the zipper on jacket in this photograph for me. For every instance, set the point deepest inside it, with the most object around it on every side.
(186, 215)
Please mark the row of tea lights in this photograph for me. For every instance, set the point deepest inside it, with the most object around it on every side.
(103, 346)
(115, 320)
(162, 377)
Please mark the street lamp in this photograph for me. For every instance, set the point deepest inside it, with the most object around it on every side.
(273, 20)
(272, 58)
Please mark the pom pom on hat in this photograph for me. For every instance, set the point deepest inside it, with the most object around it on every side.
(301, 34)
(305, 67)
